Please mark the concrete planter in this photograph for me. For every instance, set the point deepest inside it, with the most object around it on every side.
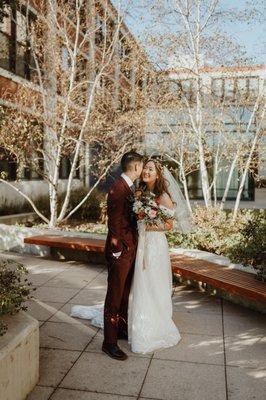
(19, 357)
(12, 238)
(18, 218)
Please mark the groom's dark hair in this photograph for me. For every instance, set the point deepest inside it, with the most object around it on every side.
(129, 158)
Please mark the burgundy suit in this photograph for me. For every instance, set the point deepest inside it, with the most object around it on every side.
(121, 226)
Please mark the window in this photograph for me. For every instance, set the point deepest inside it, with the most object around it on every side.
(65, 59)
(217, 87)
(64, 168)
(187, 88)
(253, 84)
(98, 30)
(35, 170)
(21, 45)
(16, 55)
(173, 87)
(242, 85)
(6, 41)
(8, 165)
(229, 88)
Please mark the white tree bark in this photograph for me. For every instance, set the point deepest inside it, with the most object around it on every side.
(229, 180)
(50, 135)
(248, 162)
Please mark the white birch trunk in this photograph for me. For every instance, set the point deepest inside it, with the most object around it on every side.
(50, 135)
(228, 181)
(246, 169)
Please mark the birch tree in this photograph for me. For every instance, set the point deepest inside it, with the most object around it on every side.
(189, 37)
(76, 48)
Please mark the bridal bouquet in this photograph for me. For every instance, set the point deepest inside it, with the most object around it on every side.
(148, 210)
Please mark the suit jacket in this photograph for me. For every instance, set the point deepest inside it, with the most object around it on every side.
(121, 223)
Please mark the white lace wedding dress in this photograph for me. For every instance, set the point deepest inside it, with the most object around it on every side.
(150, 324)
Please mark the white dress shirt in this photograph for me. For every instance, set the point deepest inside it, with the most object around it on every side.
(127, 179)
(130, 183)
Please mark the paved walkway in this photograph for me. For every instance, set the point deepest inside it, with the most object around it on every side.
(221, 355)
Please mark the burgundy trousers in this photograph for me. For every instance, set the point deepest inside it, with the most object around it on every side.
(120, 274)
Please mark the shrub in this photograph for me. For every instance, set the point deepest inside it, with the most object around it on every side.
(251, 246)
(14, 289)
(14, 208)
(242, 241)
(91, 209)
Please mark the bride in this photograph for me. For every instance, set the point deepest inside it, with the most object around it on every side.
(150, 323)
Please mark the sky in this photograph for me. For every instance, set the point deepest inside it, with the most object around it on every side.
(250, 36)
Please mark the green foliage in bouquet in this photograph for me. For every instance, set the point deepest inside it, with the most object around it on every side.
(14, 289)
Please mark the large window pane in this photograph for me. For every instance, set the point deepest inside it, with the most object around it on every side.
(21, 28)
(218, 87)
(4, 54)
(5, 41)
(229, 87)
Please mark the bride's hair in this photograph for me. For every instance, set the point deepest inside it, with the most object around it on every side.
(161, 183)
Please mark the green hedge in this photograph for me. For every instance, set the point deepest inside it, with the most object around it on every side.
(243, 241)
(14, 289)
(89, 211)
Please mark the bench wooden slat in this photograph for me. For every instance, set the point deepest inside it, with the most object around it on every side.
(69, 242)
(219, 276)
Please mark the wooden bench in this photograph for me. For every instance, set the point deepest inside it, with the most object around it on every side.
(92, 247)
(231, 281)
(70, 242)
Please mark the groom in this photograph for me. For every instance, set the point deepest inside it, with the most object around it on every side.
(120, 252)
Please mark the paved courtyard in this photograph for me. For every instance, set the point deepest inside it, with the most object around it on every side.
(221, 356)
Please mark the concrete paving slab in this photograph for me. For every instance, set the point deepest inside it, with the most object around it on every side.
(54, 364)
(201, 323)
(246, 384)
(89, 297)
(251, 323)
(67, 280)
(196, 303)
(230, 308)
(65, 336)
(173, 380)
(195, 348)
(40, 393)
(63, 315)
(68, 394)
(246, 351)
(40, 279)
(193, 369)
(47, 293)
(100, 373)
(99, 283)
(40, 310)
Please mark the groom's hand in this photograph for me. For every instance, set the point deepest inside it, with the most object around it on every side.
(114, 243)
(116, 247)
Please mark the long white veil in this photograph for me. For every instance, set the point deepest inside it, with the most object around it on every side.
(183, 218)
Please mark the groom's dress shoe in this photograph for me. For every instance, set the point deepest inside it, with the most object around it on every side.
(114, 351)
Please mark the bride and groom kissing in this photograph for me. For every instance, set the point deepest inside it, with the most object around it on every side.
(138, 303)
